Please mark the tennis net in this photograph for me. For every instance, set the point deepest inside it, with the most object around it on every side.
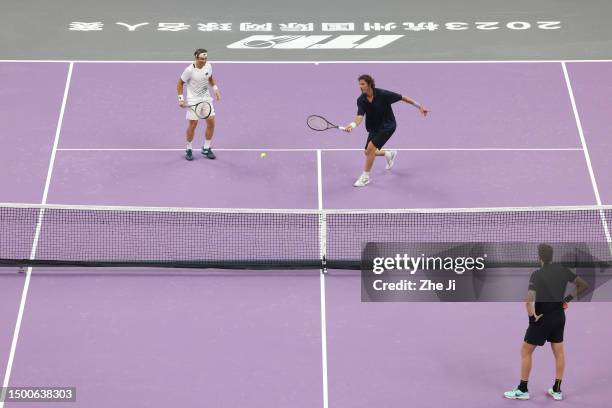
(58, 235)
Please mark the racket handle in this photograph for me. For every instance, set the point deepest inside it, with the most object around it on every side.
(341, 128)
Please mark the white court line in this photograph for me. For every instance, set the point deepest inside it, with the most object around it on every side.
(587, 157)
(450, 149)
(323, 251)
(314, 62)
(24, 293)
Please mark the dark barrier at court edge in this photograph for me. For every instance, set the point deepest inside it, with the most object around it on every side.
(475, 271)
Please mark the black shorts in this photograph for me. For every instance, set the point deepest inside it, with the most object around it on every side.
(379, 137)
(549, 328)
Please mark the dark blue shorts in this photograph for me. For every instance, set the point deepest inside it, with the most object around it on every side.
(549, 328)
(379, 137)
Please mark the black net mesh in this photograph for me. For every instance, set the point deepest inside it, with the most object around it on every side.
(256, 239)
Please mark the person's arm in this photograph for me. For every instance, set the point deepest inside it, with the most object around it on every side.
(356, 122)
(530, 304)
(581, 287)
(179, 91)
(417, 105)
(215, 88)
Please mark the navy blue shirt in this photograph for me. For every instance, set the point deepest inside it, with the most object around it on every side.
(378, 113)
(549, 284)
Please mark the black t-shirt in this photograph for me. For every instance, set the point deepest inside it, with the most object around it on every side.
(378, 114)
(549, 284)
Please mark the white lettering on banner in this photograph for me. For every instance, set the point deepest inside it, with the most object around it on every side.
(379, 26)
(255, 27)
(313, 42)
(83, 26)
(214, 26)
(429, 26)
(456, 25)
(518, 25)
(487, 25)
(296, 27)
(337, 26)
(325, 27)
(173, 27)
(549, 25)
(131, 27)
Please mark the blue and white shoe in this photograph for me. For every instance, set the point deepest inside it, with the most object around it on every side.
(208, 153)
(189, 155)
(558, 396)
(516, 394)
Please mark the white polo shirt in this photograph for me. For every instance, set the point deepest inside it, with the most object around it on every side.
(197, 83)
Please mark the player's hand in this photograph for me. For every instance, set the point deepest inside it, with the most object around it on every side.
(348, 129)
(424, 110)
(565, 305)
(217, 95)
(182, 104)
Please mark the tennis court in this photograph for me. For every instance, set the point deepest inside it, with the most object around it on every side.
(107, 132)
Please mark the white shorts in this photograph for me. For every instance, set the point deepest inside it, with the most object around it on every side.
(190, 115)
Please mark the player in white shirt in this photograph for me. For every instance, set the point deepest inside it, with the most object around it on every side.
(199, 80)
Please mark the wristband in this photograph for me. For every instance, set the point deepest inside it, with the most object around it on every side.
(568, 298)
(417, 105)
(353, 125)
(215, 88)
(181, 98)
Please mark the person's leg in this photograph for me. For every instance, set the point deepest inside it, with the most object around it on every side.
(559, 353)
(210, 130)
(379, 140)
(521, 392)
(526, 360)
(370, 153)
(191, 127)
(380, 152)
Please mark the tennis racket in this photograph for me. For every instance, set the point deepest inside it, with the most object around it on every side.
(319, 123)
(202, 109)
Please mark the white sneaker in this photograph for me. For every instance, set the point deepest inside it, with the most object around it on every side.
(558, 396)
(362, 181)
(516, 394)
(390, 157)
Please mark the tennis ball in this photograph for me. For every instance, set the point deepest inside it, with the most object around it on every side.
(262, 155)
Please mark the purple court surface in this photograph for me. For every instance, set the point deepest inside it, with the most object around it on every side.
(499, 135)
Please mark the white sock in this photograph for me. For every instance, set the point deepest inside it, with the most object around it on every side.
(189, 146)
(207, 143)
(366, 174)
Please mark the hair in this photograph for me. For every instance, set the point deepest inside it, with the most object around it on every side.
(368, 80)
(199, 51)
(545, 253)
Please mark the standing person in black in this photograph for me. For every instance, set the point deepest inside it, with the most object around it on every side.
(375, 105)
(546, 310)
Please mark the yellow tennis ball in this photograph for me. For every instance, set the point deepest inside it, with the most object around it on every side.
(262, 155)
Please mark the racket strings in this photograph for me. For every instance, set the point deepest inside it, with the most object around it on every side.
(317, 123)
(203, 110)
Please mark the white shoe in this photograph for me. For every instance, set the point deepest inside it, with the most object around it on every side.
(390, 157)
(516, 394)
(362, 181)
(558, 396)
